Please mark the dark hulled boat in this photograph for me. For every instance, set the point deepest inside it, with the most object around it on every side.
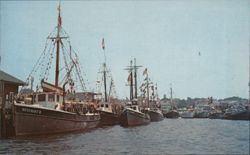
(244, 115)
(34, 120)
(172, 114)
(48, 111)
(153, 105)
(155, 114)
(237, 112)
(109, 115)
(132, 115)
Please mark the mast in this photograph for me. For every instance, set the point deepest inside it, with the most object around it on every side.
(156, 93)
(58, 40)
(171, 97)
(132, 69)
(105, 85)
(135, 76)
(131, 82)
(104, 72)
(147, 89)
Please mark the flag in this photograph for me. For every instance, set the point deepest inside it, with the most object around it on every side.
(59, 16)
(59, 21)
(103, 44)
(145, 71)
(130, 77)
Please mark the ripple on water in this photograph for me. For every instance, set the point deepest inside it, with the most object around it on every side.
(170, 136)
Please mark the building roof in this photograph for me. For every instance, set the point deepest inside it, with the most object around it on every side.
(9, 78)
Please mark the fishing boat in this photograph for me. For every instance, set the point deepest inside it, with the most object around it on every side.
(237, 113)
(49, 109)
(132, 115)
(187, 113)
(172, 113)
(152, 106)
(108, 109)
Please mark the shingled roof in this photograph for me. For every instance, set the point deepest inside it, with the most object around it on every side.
(9, 78)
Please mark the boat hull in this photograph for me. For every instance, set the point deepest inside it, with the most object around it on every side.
(172, 114)
(133, 118)
(244, 115)
(29, 120)
(108, 118)
(187, 114)
(201, 115)
(155, 115)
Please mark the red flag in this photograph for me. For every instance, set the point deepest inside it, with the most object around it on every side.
(145, 71)
(103, 44)
(130, 77)
(59, 21)
(59, 16)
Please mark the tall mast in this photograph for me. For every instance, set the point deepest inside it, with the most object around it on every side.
(131, 82)
(147, 89)
(58, 40)
(104, 72)
(156, 93)
(135, 76)
(171, 97)
(105, 85)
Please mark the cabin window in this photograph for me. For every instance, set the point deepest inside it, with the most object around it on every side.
(102, 105)
(51, 98)
(41, 97)
(57, 98)
(106, 105)
(134, 108)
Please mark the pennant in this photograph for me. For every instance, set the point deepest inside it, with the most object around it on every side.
(145, 71)
(103, 44)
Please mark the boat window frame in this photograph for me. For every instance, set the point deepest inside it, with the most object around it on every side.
(41, 97)
(51, 97)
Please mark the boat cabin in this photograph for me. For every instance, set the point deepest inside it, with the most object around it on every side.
(48, 99)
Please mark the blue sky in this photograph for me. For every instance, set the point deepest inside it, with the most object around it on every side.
(164, 36)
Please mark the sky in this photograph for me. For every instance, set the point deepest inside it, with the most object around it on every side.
(199, 47)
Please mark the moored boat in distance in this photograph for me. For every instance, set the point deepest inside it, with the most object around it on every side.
(172, 113)
(109, 113)
(150, 99)
(108, 109)
(187, 113)
(48, 110)
(237, 113)
(155, 114)
(132, 115)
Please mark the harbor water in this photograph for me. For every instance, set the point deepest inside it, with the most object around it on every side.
(170, 136)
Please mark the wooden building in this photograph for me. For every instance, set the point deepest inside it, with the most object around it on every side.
(8, 87)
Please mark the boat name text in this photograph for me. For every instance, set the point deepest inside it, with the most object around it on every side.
(33, 111)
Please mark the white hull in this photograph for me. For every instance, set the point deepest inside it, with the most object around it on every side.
(187, 114)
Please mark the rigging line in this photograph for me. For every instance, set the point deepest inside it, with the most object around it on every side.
(48, 54)
(52, 32)
(64, 57)
(44, 58)
(77, 62)
(49, 64)
(36, 64)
